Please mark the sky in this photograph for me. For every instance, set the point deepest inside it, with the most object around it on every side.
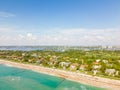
(60, 22)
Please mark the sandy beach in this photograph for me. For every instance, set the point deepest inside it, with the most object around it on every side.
(109, 84)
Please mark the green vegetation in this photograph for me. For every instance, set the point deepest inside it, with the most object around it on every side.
(103, 63)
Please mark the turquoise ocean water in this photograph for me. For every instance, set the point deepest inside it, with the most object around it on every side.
(20, 79)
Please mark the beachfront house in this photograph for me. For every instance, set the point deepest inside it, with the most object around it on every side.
(38, 62)
(52, 62)
(83, 67)
(64, 65)
(96, 67)
(110, 72)
(74, 66)
(117, 73)
(95, 72)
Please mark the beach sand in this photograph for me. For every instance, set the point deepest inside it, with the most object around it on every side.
(109, 84)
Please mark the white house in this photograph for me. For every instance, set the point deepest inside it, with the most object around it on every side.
(96, 66)
(110, 72)
(64, 64)
(105, 61)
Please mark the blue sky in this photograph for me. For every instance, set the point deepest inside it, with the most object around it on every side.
(59, 22)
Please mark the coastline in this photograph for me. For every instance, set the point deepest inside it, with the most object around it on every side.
(109, 84)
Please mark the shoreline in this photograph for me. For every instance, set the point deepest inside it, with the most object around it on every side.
(106, 83)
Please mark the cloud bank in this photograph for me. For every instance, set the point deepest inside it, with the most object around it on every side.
(65, 37)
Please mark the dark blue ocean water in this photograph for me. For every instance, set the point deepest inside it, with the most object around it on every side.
(19, 79)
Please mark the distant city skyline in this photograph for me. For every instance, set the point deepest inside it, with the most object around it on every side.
(60, 22)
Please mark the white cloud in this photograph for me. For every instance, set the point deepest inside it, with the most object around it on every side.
(6, 14)
(65, 37)
(6, 29)
(28, 36)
